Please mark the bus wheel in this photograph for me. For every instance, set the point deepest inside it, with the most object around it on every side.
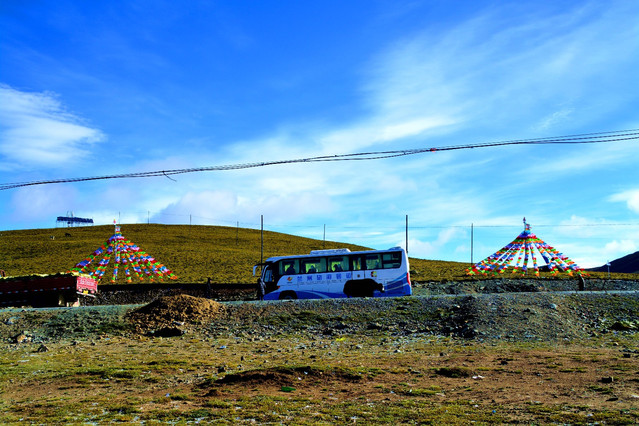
(288, 295)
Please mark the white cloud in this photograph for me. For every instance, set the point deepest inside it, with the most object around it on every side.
(212, 204)
(433, 249)
(42, 202)
(36, 131)
(378, 130)
(592, 242)
(554, 119)
(621, 248)
(227, 206)
(630, 197)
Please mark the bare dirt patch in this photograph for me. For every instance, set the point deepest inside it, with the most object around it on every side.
(575, 378)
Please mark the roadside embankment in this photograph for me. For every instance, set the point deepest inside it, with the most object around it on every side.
(532, 316)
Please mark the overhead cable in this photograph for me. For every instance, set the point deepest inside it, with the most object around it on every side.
(587, 138)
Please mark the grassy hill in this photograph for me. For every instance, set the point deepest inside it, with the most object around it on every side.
(193, 253)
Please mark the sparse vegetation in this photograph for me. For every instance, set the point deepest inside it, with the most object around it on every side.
(194, 253)
(309, 379)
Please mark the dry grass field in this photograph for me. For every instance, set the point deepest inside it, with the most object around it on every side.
(193, 253)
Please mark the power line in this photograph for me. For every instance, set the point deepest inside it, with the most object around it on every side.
(586, 138)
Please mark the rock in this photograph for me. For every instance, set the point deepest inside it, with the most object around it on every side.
(22, 338)
(340, 326)
(607, 379)
(374, 326)
(43, 348)
(623, 325)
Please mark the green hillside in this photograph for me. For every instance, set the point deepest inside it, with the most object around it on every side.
(193, 253)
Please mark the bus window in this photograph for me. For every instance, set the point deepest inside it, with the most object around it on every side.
(313, 265)
(373, 261)
(391, 260)
(337, 264)
(268, 275)
(289, 267)
(356, 263)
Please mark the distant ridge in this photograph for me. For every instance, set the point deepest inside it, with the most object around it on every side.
(628, 264)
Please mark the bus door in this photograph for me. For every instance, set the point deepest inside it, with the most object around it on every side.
(268, 278)
(391, 272)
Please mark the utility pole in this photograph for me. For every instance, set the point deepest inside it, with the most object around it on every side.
(324, 245)
(406, 234)
(472, 230)
(262, 238)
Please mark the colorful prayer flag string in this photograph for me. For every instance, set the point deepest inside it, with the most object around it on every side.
(523, 248)
(135, 262)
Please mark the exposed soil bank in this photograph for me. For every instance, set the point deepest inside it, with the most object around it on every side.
(522, 316)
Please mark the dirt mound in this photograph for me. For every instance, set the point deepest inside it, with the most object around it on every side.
(180, 309)
(285, 379)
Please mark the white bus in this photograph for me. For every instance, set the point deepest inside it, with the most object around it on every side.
(336, 273)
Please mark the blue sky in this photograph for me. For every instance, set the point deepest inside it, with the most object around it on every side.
(102, 88)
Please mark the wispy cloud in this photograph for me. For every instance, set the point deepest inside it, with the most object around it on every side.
(505, 70)
(472, 76)
(37, 131)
